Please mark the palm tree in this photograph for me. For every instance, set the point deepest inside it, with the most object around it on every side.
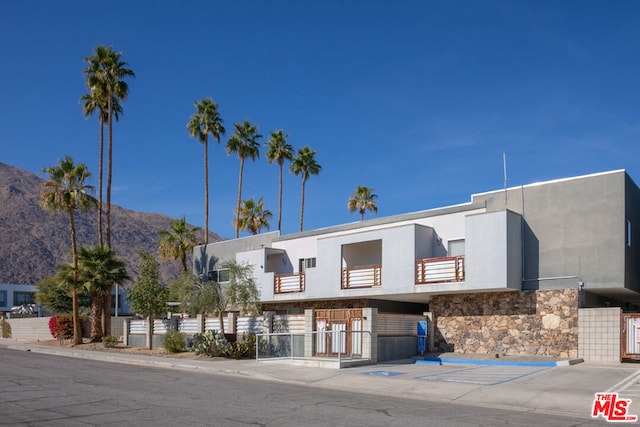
(253, 216)
(66, 190)
(98, 270)
(206, 121)
(177, 242)
(363, 200)
(105, 73)
(278, 152)
(244, 141)
(304, 164)
(92, 102)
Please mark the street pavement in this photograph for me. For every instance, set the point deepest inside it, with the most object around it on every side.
(564, 389)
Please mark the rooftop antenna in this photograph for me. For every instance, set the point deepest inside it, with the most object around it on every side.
(504, 166)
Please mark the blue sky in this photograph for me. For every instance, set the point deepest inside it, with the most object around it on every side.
(418, 99)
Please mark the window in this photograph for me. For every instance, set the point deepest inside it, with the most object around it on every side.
(3, 298)
(628, 233)
(456, 247)
(20, 298)
(306, 263)
(220, 276)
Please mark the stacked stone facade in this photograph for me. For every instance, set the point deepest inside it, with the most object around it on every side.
(543, 323)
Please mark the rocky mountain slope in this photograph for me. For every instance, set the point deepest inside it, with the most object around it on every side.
(34, 241)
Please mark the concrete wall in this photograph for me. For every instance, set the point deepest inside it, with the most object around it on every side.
(493, 256)
(599, 334)
(543, 323)
(207, 258)
(574, 228)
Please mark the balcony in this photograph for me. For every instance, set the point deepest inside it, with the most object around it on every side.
(440, 270)
(287, 283)
(365, 276)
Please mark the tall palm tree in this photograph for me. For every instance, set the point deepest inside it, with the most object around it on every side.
(65, 191)
(177, 242)
(243, 141)
(279, 151)
(206, 120)
(105, 73)
(363, 199)
(98, 270)
(92, 102)
(304, 164)
(253, 216)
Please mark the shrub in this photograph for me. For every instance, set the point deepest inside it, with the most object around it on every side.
(244, 349)
(6, 329)
(173, 342)
(61, 326)
(109, 341)
(211, 343)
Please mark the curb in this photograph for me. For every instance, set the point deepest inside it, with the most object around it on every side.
(488, 362)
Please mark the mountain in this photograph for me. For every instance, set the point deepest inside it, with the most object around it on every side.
(33, 242)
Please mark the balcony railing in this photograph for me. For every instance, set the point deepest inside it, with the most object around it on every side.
(286, 283)
(439, 270)
(364, 276)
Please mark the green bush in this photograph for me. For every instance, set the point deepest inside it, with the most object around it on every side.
(244, 349)
(109, 341)
(173, 342)
(211, 343)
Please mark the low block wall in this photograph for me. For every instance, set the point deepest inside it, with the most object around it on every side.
(30, 329)
(599, 334)
(543, 322)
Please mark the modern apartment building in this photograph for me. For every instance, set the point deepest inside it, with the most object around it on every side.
(505, 273)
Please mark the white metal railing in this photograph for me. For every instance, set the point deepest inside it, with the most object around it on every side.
(333, 344)
(438, 270)
(285, 283)
(365, 276)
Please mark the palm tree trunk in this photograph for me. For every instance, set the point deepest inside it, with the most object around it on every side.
(106, 313)
(304, 178)
(106, 307)
(239, 198)
(96, 316)
(206, 191)
(183, 260)
(77, 327)
(109, 170)
(280, 201)
(100, 174)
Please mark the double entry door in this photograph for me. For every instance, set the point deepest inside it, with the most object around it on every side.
(338, 332)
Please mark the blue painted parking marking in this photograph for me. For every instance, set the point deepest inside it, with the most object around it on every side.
(384, 373)
(483, 375)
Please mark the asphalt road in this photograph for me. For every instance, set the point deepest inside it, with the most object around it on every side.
(45, 390)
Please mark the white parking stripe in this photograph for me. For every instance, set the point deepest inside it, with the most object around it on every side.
(625, 383)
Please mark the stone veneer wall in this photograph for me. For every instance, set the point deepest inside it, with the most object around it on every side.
(543, 323)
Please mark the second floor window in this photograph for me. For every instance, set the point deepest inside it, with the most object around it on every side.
(305, 263)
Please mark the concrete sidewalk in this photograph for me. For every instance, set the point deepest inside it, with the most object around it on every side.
(565, 389)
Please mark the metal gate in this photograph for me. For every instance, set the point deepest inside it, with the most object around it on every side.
(339, 331)
(630, 336)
